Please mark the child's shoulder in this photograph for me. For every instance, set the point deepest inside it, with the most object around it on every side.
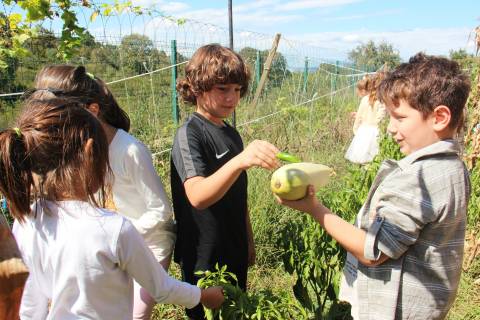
(441, 164)
(75, 215)
(192, 127)
(125, 143)
(194, 122)
(435, 173)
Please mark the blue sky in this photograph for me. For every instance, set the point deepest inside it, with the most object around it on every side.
(435, 27)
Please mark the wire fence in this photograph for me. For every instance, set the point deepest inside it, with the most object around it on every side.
(133, 54)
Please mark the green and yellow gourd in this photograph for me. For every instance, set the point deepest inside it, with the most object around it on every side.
(290, 181)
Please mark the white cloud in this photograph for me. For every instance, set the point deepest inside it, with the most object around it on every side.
(249, 15)
(242, 20)
(174, 7)
(164, 6)
(438, 41)
(351, 38)
(255, 5)
(364, 16)
(312, 4)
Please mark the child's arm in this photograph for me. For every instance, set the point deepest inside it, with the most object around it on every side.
(202, 192)
(138, 261)
(347, 235)
(139, 166)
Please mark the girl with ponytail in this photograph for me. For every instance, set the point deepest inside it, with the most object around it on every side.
(137, 191)
(81, 258)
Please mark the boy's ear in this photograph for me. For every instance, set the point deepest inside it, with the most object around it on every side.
(441, 117)
(94, 108)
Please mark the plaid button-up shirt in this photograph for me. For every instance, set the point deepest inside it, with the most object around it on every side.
(415, 214)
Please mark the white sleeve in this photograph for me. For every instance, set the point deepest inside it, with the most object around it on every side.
(138, 261)
(34, 304)
(139, 167)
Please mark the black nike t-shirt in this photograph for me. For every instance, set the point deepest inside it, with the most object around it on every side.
(217, 234)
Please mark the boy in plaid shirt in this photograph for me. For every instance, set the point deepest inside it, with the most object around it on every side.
(405, 250)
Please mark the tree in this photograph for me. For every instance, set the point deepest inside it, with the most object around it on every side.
(373, 57)
(465, 59)
(43, 47)
(278, 70)
(16, 28)
(140, 54)
(460, 54)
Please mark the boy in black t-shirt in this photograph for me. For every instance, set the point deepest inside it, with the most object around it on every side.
(208, 178)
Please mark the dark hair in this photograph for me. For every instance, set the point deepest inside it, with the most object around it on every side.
(426, 82)
(212, 64)
(46, 155)
(74, 81)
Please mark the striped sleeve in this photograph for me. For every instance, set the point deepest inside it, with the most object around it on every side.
(399, 216)
(188, 153)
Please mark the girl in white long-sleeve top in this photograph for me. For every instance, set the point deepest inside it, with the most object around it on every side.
(365, 143)
(81, 258)
(137, 191)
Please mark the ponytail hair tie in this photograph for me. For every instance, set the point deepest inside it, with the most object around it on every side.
(90, 75)
(18, 132)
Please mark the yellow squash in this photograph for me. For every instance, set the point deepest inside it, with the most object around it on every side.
(290, 181)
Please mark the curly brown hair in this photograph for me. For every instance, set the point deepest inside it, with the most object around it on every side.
(210, 65)
(426, 82)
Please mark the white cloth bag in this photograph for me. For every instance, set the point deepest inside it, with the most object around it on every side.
(364, 146)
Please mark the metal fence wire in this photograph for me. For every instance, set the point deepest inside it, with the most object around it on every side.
(133, 53)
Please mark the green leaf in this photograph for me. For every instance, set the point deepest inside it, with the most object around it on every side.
(21, 38)
(107, 11)
(94, 15)
(3, 64)
(14, 19)
(331, 294)
(301, 293)
(181, 21)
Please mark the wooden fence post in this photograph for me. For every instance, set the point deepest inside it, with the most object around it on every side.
(266, 70)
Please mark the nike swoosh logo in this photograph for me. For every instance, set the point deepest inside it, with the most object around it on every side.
(221, 155)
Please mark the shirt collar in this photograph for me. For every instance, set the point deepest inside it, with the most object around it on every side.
(201, 117)
(446, 147)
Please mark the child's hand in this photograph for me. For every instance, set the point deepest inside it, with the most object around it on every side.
(212, 297)
(259, 153)
(307, 204)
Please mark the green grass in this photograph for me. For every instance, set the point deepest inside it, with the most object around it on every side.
(467, 304)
